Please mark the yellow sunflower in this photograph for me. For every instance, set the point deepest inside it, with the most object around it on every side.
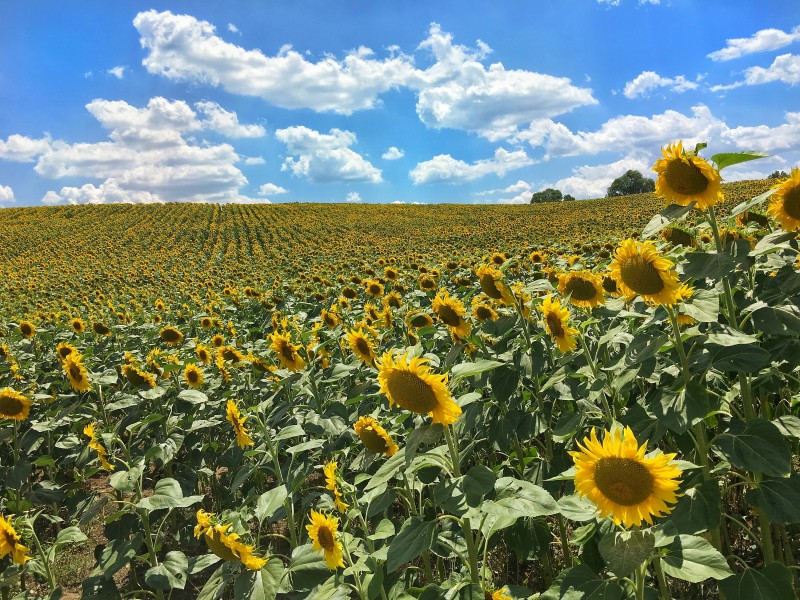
(374, 288)
(374, 437)
(450, 311)
(203, 354)
(78, 325)
(138, 377)
(100, 328)
(27, 329)
(95, 445)
(498, 595)
(76, 372)
(329, 469)
(14, 405)
(226, 545)
(640, 270)
(10, 543)
(206, 322)
(170, 335)
(193, 376)
(684, 177)
(556, 323)
(361, 346)
(491, 281)
(330, 317)
(412, 386)
(217, 340)
(418, 320)
(287, 352)
(784, 205)
(482, 310)
(324, 533)
(64, 349)
(237, 420)
(231, 354)
(621, 481)
(584, 289)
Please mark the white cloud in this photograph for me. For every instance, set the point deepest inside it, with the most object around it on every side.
(233, 28)
(785, 68)
(648, 81)
(764, 138)
(393, 154)
(445, 168)
(325, 157)
(270, 189)
(226, 122)
(353, 197)
(593, 181)
(254, 160)
(19, 148)
(6, 195)
(761, 41)
(108, 192)
(118, 72)
(519, 186)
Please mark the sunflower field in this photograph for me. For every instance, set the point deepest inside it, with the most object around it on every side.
(406, 402)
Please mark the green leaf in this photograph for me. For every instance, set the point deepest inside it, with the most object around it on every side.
(708, 265)
(789, 425)
(741, 359)
(200, 563)
(625, 551)
(259, 585)
(307, 568)
(703, 306)
(670, 214)
(758, 446)
(581, 583)
(125, 481)
(774, 241)
(289, 432)
(117, 554)
(693, 559)
(748, 204)
(478, 482)
(70, 535)
(170, 574)
(517, 498)
(414, 538)
(469, 369)
(777, 320)
(387, 471)
(167, 494)
(269, 502)
(697, 511)
(384, 530)
(214, 584)
(193, 396)
(779, 498)
(577, 508)
(504, 381)
(433, 592)
(423, 435)
(726, 159)
(773, 582)
(679, 409)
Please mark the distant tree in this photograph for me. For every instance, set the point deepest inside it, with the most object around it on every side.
(568, 198)
(778, 175)
(548, 195)
(632, 182)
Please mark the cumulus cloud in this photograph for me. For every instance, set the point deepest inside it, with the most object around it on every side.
(270, 189)
(226, 122)
(233, 28)
(764, 138)
(20, 148)
(393, 154)
(254, 160)
(108, 192)
(648, 81)
(325, 157)
(118, 72)
(6, 195)
(519, 186)
(593, 181)
(353, 197)
(761, 41)
(445, 168)
(785, 68)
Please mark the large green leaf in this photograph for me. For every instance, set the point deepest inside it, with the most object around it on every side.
(693, 559)
(516, 498)
(697, 510)
(170, 574)
(756, 446)
(167, 494)
(581, 583)
(469, 369)
(779, 498)
(414, 538)
(270, 501)
(670, 214)
(727, 159)
(478, 482)
(773, 582)
(625, 551)
(748, 204)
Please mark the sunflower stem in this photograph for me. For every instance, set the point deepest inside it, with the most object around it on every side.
(639, 579)
(764, 523)
(609, 413)
(452, 445)
(562, 534)
(663, 586)
(51, 579)
(472, 551)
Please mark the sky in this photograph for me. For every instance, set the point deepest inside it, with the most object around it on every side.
(388, 102)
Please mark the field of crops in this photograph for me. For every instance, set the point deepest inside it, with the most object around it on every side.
(580, 400)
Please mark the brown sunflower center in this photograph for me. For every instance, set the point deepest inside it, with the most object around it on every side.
(623, 480)
(448, 316)
(374, 289)
(10, 406)
(287, 352)
(411, 392)
(325, 538)
(609, 285)
(685, 178)
(791, 202)
(193, 376)
(554, 324)
(363, 346)
(171, 335)
(489, 287)
(581, 289)
(329, 321)
(641, 276)
(483, 312)
(26, 329)
(64, 352)
(372, 440)
(75, 372)
(419, 321)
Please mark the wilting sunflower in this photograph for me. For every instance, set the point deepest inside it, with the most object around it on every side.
(329, 469)
(76, 372)
(170, 335)
(27, 329)
(100, 328)
(556, 323)
(492, 284)
(138, 377)
(621, 481)
(226, 545)
(684, 177)
(412, 386)
(584, 288)
(450, 311)
(324, 533)
(14, 405)
(784, 205)
(374, 437)
(361, 346)
(640, 270)
(287, 352)
(95, 445)
(233, 415)
(330, 317)
(10, 543)
(64, 349)
(497, 595)
(193, 376)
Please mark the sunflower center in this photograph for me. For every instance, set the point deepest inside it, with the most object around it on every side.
(623, 480)
(325, 538)
(554, 324)
(372, 440)
(449, 316)
(10, 406)
(75, 372)
(791, 203)
(641, 276)
(609, 285)
(489, 288)
(287, 352)
(483, 312)
(581, 289)
(685, 178)
(363, 346)
(419, 321)
(411, 392)
(192, 376)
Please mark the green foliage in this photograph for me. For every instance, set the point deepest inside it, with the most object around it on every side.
(632, 182)
(547, 195)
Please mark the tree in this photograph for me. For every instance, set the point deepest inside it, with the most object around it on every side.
(568, 198)
(632, 182)
(548, 195)
(778, 175)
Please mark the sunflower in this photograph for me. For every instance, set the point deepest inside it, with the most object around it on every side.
(324, 533)
(584, 289)
(556, 323)
(226, 545)
(412, 386)
(64, 349)
(206, 322)
(100, 328)
(76, 372)
(450, 311)
(374, 288)
(640, 270)
(621, 481)
(203, 354)
(497, 595)
(684, 177)
(217, 340)
(138, 377)
(374, 437)
(27, 329)
(237, 420)
(78, 325)
(492, 285)
(418, 320)
(95, 445)
(391, 273)
(287, 352)
(537, 257)
(193, 376)
(170, 335)
(784, 205)
(10, 543)
(426, 282)
(361, 346)
(231, 354)
(482, 310)
(14, 405)
(331, 484)
(330, 317)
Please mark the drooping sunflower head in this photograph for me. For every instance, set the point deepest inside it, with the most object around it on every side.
(556, 324)
(784, 205)
(684, 177)
(621, 481)
(193, 376)
(482, 309)
(10, 542)
(236, 419)
(584, 288)
(492, 284)
(418, 320)
(361, 345)
(450, 311)
(330, 317)
(324, 533)
(640, 270)
(374, 437)
(100, 328)
(411, 385)
(137, 377)
(170, 335)
(14, 405)
(226, 545)
(203, 354)
(231, 354)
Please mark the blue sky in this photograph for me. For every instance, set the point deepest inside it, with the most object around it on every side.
(413, 101)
